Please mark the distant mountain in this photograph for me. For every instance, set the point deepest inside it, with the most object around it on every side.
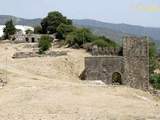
(19, 21)
(110, 30)
(116, 31)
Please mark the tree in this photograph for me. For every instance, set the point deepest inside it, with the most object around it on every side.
(153, 64)
(28, 31)
(9, 29)
(152, 57)
(79, 36)
(155, 80)
(52, 21)
(44, 44)
(38, 30)
(63, 30)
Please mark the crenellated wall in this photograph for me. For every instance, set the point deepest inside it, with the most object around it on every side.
(133, 66)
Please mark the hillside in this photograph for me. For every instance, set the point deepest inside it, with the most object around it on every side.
(116, 31)
(19, 21)
(55, 92)
(113, 31)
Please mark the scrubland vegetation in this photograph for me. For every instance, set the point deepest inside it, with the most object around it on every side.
(55, 22)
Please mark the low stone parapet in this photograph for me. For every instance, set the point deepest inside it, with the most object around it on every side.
(35, 54)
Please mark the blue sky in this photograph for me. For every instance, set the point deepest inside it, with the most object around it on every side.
(136, 12)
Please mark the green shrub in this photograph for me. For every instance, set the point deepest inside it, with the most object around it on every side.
(44, 44)
(109, 42)
(63, 30)
(79, 37)
(104, 42)
(38, 30)
(29, 31)
(100, 43)
(155, 80)
(152, 57)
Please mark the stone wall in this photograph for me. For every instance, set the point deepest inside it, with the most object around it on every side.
(19, 55)
(27, 38)
(96, 51)
(137, 73)
(136, 55)
(133, 66)
(102, 68)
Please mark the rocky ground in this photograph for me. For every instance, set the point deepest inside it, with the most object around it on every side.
(48, 88)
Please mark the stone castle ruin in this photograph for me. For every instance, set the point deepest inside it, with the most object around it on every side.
(131, 68)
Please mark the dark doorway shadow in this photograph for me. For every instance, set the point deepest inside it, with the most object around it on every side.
(116, 78)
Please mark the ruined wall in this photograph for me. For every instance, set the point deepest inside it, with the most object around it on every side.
(27, 38)
(102, 68)
(102, 51)
(136, 57)
(95, 51)
(133, 66)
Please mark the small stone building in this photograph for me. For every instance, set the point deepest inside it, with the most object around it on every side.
(132, 68)
(19, 37)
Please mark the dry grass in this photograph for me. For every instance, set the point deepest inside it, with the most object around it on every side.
(48, 88)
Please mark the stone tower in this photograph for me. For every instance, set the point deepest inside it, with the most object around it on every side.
(131, 69)
(136, 57)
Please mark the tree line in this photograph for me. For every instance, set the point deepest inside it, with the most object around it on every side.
(64, 29)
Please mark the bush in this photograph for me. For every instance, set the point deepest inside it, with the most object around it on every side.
(79, 37)
(153, 64)
(152, 57)
(109, 42)
(155, 80)
(100, 43)
(29, 31)
(104, 42)
(63, 30)
(44, 44)
(38, 30)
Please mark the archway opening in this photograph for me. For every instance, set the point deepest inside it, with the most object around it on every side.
(27, 40)
(116, 78)
(13, 39)
(33, 40)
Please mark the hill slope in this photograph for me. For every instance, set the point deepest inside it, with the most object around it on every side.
(19, 21)
(116, 31)
(51, 90)
(113, 31)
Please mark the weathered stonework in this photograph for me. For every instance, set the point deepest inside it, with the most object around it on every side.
(102, 68)
(19, 37)
(133, 66)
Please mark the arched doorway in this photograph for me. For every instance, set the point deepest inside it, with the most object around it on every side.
(27, 39)
(116, 78)
(33, 39)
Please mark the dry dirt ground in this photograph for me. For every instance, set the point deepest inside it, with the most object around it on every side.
(48, 88)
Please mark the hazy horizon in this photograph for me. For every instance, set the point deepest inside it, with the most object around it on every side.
(137, 12)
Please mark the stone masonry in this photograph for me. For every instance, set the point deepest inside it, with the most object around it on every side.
(19, 37)
(132, 67)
